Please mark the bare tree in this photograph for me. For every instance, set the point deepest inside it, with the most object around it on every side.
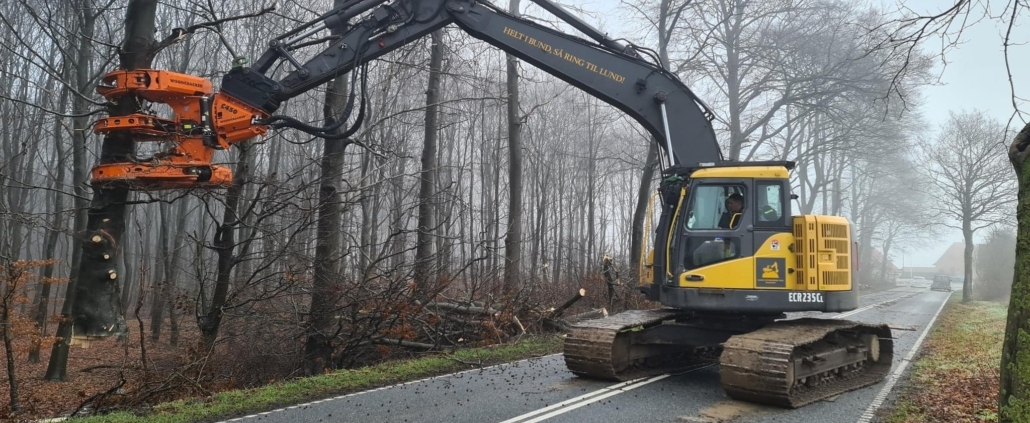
(1014, 395)
(973, 184)
(84, 81)
(425, 275)
(513, 236)
(666, 22)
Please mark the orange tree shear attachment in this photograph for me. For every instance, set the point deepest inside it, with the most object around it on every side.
(202, 122)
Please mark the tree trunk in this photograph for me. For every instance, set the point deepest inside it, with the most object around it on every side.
(318, 347)
(57, 366)
(423, 273)
(96, 309)
(636, 241)
(225, 245)
(171, 275)
(54, 231)
(158, 300)
(591, 200)
(128, 270)
(967, 282)
(12, 379)
(513, 239)
(1014, 387)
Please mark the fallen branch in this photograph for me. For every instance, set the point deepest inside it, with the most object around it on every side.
(558, 311)
(518, 324)
(469, 309)
(106, 366)
(403, 343)
(95, 399)
(476, 364)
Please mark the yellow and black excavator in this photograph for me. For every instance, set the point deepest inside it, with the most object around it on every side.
(725, 276)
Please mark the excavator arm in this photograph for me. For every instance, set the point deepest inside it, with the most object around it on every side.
(607, 69)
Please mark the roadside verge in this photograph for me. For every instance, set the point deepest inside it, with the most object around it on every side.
(956, 375)
(234, 403)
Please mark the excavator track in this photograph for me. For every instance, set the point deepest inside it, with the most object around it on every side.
(792, 363)
(601, 348)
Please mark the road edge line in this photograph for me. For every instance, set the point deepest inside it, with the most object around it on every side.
(881, 396)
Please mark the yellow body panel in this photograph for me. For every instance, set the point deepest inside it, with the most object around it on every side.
(742, 273)
(823, 252)
(730, 274)
(763, 172)
(647, 269)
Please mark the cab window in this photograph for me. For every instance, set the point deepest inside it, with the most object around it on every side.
(769, 204)
(710, 203)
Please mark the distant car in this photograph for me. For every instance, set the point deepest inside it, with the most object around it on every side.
(920, 282)
(941, 283)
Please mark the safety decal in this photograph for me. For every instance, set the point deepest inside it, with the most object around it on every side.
(774, 245)
(769, 273)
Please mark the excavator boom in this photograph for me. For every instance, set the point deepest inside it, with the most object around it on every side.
(204, 121)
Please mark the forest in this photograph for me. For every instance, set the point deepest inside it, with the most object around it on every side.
(478, 194)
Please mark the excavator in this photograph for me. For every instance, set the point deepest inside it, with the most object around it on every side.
(725, 276)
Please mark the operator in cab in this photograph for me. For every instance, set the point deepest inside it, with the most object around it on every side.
(734, 204)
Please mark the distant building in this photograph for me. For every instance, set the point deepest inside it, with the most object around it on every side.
(952, 262)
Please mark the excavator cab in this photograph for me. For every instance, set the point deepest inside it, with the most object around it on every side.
(712, 234)
(752, 259)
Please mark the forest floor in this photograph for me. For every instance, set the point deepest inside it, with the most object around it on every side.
(103, 366)
(955, 377)
(91, 371)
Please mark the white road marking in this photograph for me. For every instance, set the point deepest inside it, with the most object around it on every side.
(592, 397)
(378, 389)
(881, 396)
(598, 398)
(583, 397)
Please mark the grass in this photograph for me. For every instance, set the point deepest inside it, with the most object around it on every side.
(955, 378)
(239, 402)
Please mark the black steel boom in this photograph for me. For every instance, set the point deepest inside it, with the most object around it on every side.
(606, 69)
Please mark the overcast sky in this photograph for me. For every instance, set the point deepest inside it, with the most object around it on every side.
(974, 78)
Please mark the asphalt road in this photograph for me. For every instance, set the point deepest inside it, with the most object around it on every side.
(541, 389)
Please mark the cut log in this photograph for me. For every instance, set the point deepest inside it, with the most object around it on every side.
(558, 311)
(462, 309)
(403, 343)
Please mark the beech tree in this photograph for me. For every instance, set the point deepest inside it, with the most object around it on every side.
(513, 236)
(972, 182)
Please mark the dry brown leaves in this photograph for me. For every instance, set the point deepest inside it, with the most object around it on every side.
(956, 376)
